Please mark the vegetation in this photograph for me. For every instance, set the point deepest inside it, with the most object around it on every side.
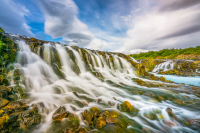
(8, 51)
(188, 53)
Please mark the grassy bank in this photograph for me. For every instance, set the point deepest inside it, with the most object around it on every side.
(188, 53)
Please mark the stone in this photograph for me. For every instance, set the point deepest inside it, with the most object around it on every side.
(111, 120)
(3, 102)
(101, 122)
(59, 114)
(169, 111)
(170, 123)
(126, 106)
(88, 116)
(95, 111)
(16, 105)
(178, 101)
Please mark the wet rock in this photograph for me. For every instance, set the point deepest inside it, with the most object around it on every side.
(111, 120)
(95, 111)
(111, 103)
(126, 106)
(88, 116)
(101, 122)
(27, 122)
(170, 123)
(3, 102)
(194, 122)
(162, 79)
(76, 69)
(3, 94)
(178, 101)
(18, 72)
(16, 105)
(20, 120)
(114, 113)
(59, 114)
(169, 111)
(38, 105)
(13, 97)
(159, 98)
(104, 114)
(3, 80)
(58, 71)
(151, 116)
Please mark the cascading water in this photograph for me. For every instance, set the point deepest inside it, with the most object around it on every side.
(168, 65)
(45, 86)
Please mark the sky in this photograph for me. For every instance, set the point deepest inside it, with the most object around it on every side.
(128, 26)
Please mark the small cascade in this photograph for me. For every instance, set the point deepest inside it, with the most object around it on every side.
(93, 79)
(168, 65)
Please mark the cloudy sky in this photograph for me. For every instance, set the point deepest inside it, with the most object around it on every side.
(129, 26)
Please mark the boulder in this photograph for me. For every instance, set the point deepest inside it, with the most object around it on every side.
(3, 102)
(126, 106)
(59, 114)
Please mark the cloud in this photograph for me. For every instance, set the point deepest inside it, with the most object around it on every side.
(12, 18)
(98, 44)
(155, 30)
(172, 5)
(184, 31)
(61, 21)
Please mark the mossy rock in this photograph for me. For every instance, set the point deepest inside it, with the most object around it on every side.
(179, 102)
(58, 72)
(76, 69)
(100, 123)
(127, 107)
(151, 116)
(3, 102)
(95, 111)
(59, 114)
(3, 80)
(16, 105)
(88, 116)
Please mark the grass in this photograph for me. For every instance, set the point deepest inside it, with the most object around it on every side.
(169, 54)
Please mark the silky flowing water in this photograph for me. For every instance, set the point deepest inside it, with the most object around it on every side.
(45, 86)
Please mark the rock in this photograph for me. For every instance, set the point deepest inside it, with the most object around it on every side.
(3, 94)
(20, 120)
(3, 102)
(39, 105)
(169, 111)
(59, 114)
(88, 116)
(194, 122)
(111, 120)
(16, 105)
(126, 106)
(151, 116)
(114, 113)
(178, 101)
(95, 111)
(26, 122)
(76, 69)
(170, 123)
(101, 122)
(3, 120)
(18, 72)
(13, 97)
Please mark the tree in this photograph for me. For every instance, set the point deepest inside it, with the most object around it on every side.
(1, 30)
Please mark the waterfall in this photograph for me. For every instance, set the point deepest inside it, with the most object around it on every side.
(168, 65)
(79, 92)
